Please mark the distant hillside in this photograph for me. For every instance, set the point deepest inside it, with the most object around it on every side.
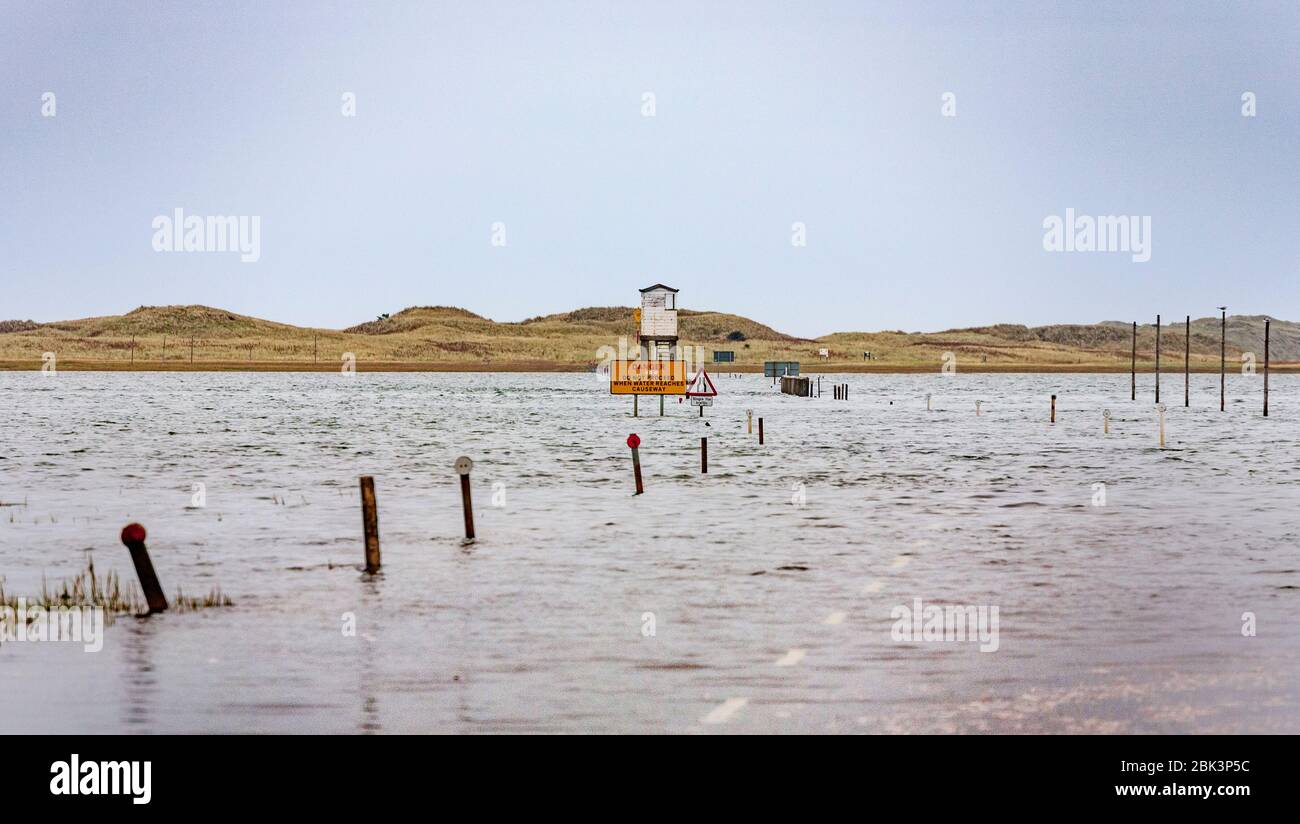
(177, 321)
(450, 337)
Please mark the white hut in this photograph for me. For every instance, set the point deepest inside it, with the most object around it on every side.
(658, 329)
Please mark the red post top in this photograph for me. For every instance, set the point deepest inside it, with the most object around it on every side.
(633, 441)
(133, 534)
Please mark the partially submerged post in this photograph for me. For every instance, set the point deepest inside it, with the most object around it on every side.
(133, 536)
(463, 467)
(760, 431)
(1053, 409)
(1266, 367)
(370, 523)
(1160, 407)
(749, 421)
(633, 441)
(704, 456)
(977, 408)
(1105, 421)
(1187, 361)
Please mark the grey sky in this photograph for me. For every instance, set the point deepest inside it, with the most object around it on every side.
(530, 114)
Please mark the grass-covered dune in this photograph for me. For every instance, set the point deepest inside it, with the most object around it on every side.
(449, 338)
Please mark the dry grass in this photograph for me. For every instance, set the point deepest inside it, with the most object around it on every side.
(88, 589)
(449, 339)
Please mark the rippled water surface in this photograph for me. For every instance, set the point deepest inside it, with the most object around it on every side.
(1125, 617)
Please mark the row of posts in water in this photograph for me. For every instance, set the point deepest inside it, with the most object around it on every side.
(1187, 356)
(133, 535)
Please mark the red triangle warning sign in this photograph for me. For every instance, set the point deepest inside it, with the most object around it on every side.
(701, 387)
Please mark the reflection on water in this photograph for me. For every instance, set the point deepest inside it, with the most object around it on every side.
(138, 684)
(1125, 617)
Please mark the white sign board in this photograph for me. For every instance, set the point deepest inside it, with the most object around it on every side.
(701, 401)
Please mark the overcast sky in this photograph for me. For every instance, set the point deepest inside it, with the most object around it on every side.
(532, 115)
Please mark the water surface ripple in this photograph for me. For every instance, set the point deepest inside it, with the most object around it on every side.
(1118, 618)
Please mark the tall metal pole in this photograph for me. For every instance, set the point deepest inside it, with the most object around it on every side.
(1133, 370)
(1223, 344)
(1157, 359)
(1266, 367)
(1187, 359)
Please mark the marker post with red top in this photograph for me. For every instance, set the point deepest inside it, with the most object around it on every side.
(133, 536)
(633, 441)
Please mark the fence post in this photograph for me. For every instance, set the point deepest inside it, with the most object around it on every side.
(370, 523)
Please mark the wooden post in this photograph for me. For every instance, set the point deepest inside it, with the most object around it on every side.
(749, 421)
(634, 442)
(191, 350)
(1105, 421)
(1157, 359)
(1053, 409)
(133, 536)
(760, 431)
(927, 402)
(977, 408)
(1160, 407)
(661, 406)
(314, 348)
(704, 456)
(1266, 322)
(370, 523)
(133, 350)
(463, 466)
(635, 398)
(1133, 369)
(1187, 364)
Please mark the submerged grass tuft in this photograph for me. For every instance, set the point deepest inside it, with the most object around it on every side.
(88, 589)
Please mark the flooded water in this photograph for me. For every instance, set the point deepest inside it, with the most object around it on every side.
(757, 598)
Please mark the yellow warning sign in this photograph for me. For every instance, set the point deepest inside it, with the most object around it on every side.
(647, 377)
